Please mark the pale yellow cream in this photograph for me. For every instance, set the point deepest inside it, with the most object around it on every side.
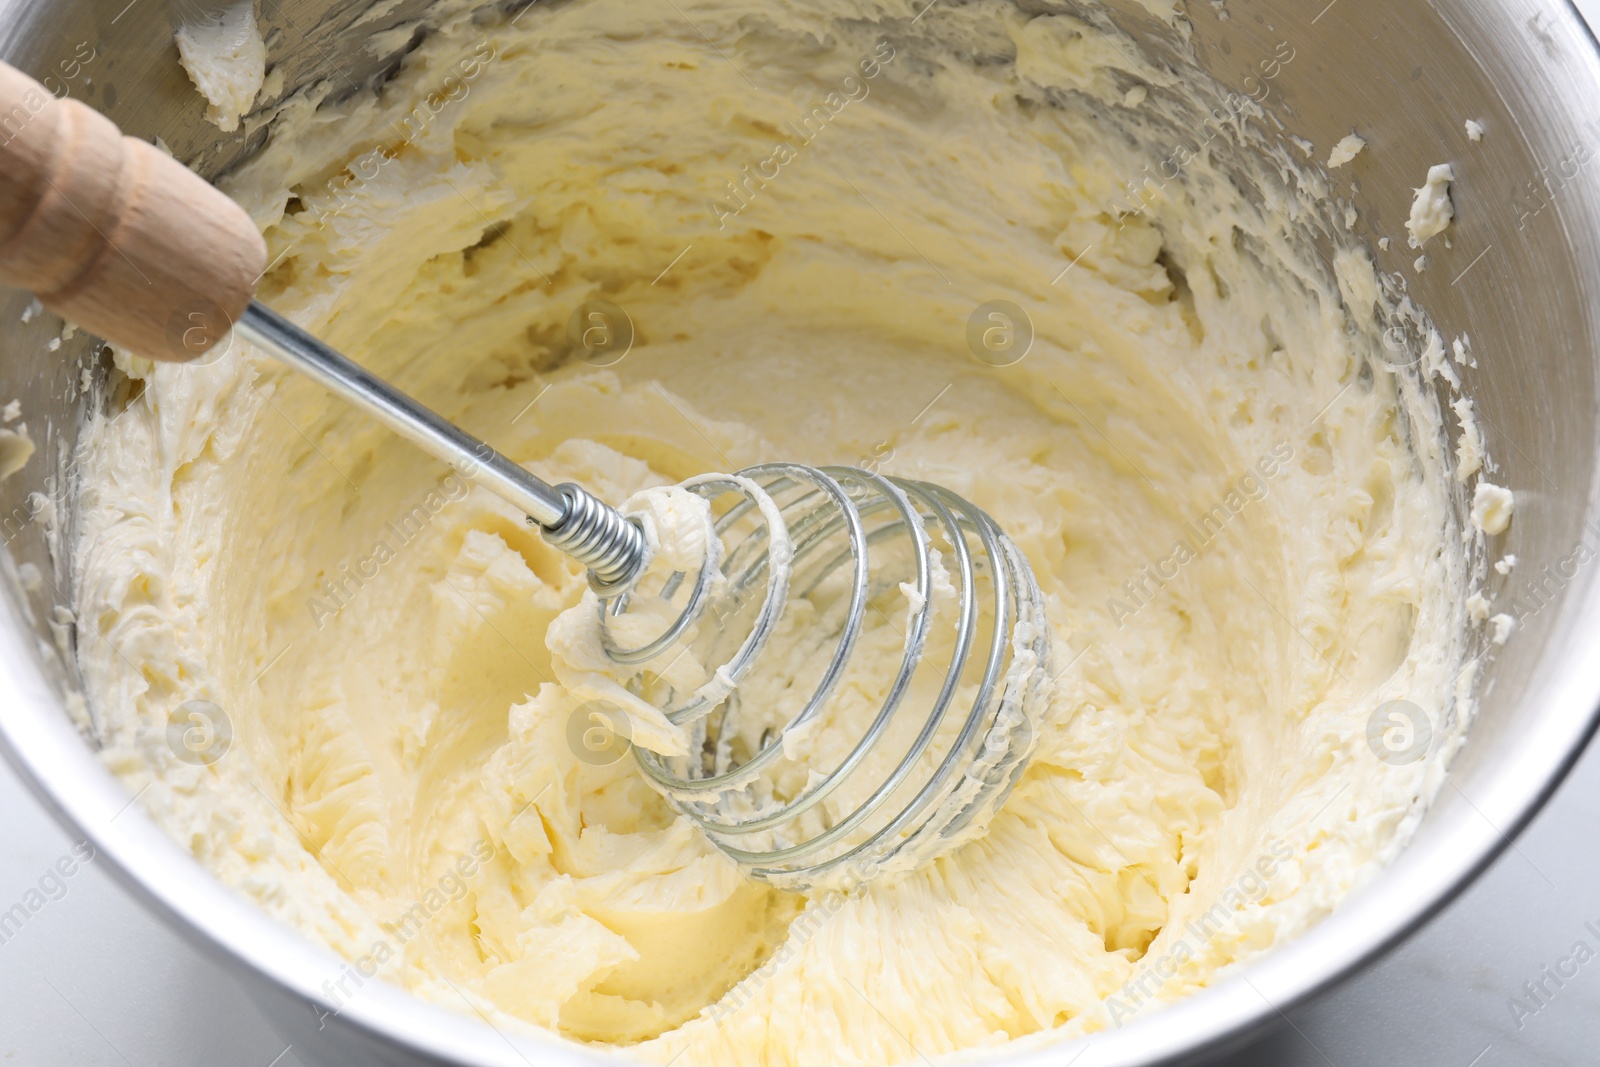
(1239, 513)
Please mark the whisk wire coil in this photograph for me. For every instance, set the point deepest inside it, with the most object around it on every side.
(789, 515)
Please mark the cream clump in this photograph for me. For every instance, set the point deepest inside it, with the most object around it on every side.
(225, 57)
(1348, 148)
(1491, 508)
(1431, 210)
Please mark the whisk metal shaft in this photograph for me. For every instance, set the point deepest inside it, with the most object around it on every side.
(571, 518)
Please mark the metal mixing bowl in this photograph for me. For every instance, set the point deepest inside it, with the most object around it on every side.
(1523, 279)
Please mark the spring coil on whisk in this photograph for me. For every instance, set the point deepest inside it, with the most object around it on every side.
(952, 732)
(607, 544)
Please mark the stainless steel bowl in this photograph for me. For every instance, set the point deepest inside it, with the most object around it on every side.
(1523, 279)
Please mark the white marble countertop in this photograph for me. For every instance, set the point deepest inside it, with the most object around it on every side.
(91, 980)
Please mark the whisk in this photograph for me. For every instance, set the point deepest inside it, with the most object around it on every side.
(828, 744)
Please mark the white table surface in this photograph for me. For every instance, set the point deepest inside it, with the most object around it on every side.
(91, 980)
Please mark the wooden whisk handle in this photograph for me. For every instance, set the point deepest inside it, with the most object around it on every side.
(114, 235)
